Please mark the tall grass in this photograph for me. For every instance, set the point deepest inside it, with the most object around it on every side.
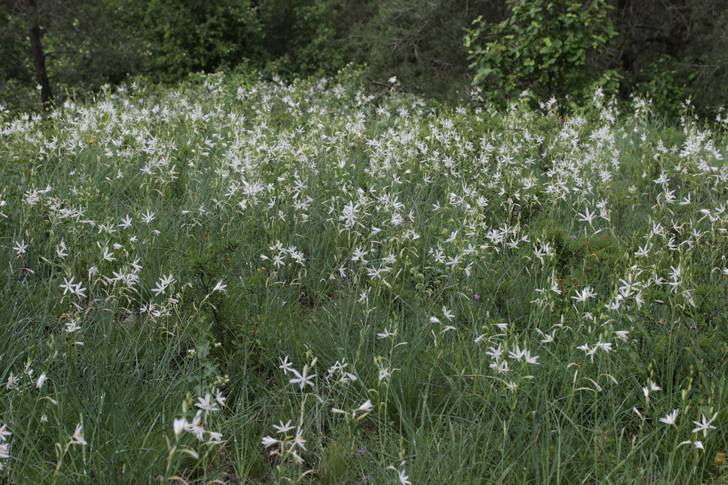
(427, 295)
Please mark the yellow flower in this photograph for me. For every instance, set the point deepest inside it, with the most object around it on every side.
(720, 457)
(91, 140)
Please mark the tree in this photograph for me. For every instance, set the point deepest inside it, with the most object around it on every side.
(41, 74)
(76, 45)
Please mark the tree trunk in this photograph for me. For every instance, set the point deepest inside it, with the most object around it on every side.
(41, 75)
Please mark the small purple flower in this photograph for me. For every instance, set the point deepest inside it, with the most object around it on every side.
(573, 237)
(25, 269)
(362, 452)
(366, 478)
(477, 297)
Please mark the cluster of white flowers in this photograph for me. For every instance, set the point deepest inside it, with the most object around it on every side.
(205, 405)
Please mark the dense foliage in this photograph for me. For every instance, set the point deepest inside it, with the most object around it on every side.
(543, 47)
(265, 281)
(668, 51)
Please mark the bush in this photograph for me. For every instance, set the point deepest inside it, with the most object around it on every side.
(543, 47)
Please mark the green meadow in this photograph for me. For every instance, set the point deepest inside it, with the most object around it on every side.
(240, 283)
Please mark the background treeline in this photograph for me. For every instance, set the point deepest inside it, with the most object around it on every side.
(671, 49)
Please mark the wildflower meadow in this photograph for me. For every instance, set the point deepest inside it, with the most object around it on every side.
(261, 282)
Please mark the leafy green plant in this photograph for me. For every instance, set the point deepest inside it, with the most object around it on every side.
(662, 87)
(543, 46)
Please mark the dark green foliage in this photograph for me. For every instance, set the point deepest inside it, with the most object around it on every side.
(673, 50)
(421, 43)
(195, 35)
(668, 51)
(544, 47)
(86, 44)
(307, 37)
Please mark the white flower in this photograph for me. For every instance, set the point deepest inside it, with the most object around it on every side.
(220, 287)
(162, 285)
(126, 222)
(501, 368)
(704, 426)
(78, 436)
(529, 359)
(651, 386)
(148, 217)
(179, 425)
(587, 293)
(80, 290)
(285, 365)
(108, 256)
(302, 379)
(206, 404)
(517, 354)
(283, 428)
(72, 326)
(622, 335)
(548, 338)
(67, 285)
(384, 373)
(448, 314)
(298, 459)
(495, 353)
(195, 426)
(4, 433)
(61, 250)
(299, 439)
(268, 441)
(403, 479)
(219, 397)
(386, 333)
(643, 251)
(366, 407)
(587, 216)
(20, 247)
(670, 418)
(12, 381)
